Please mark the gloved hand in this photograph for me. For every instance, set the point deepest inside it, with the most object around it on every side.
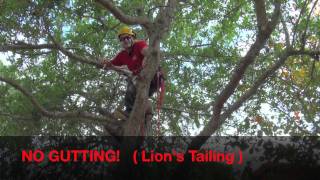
(106, 63)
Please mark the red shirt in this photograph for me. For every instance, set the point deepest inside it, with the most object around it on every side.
(132, 60)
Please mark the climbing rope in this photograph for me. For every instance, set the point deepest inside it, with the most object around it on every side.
(160, 96)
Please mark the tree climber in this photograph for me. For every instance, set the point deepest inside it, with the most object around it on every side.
(133, 56)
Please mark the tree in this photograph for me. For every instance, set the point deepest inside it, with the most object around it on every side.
(221, 58)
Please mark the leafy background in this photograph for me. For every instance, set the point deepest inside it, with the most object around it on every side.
(204, 43)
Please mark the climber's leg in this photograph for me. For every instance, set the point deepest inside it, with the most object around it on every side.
(148, 118)
(128, 102)
(153, 86)
(130, 96)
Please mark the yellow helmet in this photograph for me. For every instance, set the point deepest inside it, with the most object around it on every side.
(126, 30)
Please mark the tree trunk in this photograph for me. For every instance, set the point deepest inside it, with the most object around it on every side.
(135, 125)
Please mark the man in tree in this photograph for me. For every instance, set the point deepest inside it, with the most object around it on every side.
(133, 56)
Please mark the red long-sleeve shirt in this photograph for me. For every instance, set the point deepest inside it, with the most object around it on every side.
(132, 60)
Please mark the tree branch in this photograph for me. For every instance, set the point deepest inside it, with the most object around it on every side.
(65, 51)
(286, 32)
(263, 35)
(155, 32)
(260, 9)
(87, 61)
(111, 123)
(121, 16)
(184, 111)
(165, 16)
(304, 34)
(312, 54)
(295, 27)
(262, 79)
(23, 46)
(15, 116)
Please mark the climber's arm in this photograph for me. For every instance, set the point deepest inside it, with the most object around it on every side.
(106, 63)
(116, 61)
(144, 53)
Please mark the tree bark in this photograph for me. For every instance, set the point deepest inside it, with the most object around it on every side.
(265, 28)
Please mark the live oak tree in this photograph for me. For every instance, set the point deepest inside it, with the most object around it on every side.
(224, 62)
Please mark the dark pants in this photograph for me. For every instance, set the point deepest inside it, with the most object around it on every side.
(131, 93)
